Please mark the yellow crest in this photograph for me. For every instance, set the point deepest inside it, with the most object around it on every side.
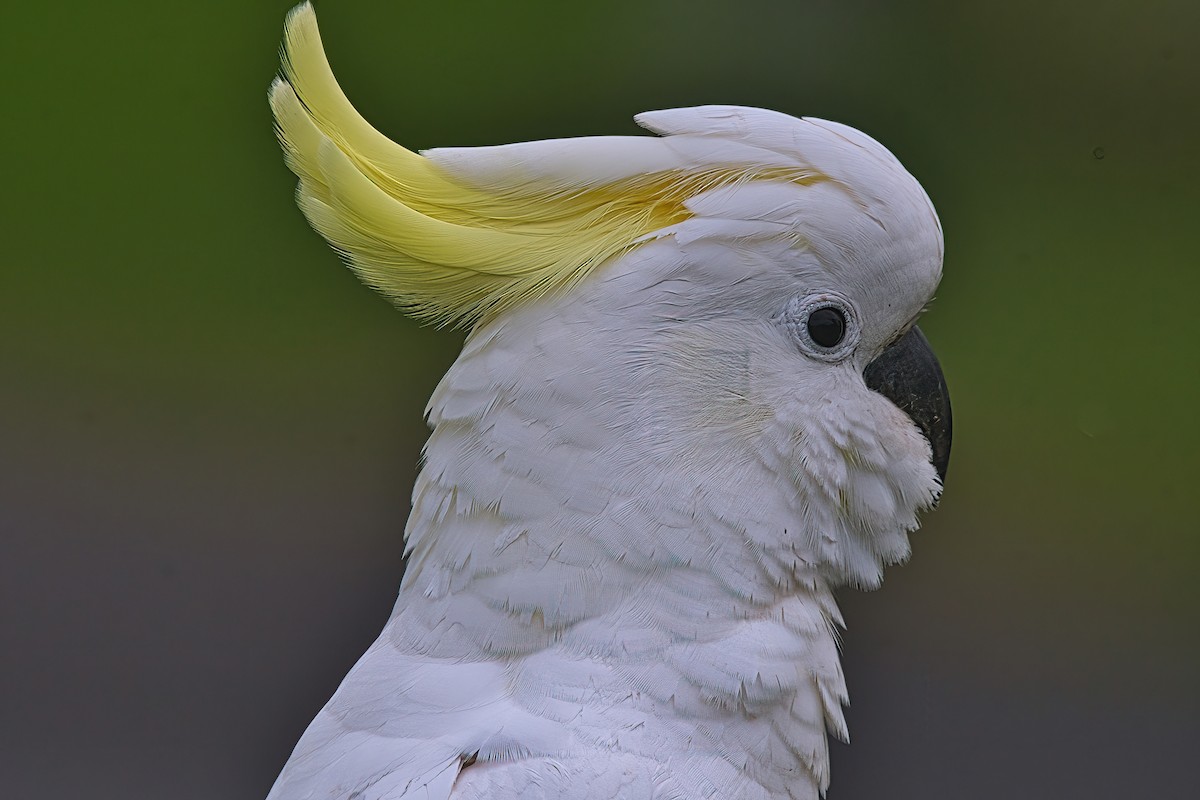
(435, 245)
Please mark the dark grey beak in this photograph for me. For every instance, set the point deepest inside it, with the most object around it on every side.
(908, 374)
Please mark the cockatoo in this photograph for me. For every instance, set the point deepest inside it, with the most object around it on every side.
(693, 401)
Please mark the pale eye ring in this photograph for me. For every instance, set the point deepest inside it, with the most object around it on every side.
(824, 324)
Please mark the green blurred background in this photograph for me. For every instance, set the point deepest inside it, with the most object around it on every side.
(209, 429)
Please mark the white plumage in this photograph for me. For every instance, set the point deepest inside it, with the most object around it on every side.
(641, 489)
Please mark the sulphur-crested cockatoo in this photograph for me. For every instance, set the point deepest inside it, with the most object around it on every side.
(692, 403)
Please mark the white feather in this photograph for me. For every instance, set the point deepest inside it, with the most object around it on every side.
(637, 498)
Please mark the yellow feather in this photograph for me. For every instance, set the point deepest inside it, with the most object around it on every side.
(441, 249)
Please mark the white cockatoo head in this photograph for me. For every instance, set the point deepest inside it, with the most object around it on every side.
(693, 400)
(722, 290)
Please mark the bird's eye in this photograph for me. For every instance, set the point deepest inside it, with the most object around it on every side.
(827, 326)
(824, 325)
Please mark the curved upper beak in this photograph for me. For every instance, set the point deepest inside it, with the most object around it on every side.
(908, 374)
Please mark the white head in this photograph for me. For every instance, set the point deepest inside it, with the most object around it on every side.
(696, 348)
(667, 288)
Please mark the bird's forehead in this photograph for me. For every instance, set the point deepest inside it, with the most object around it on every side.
(882, 234)
(883, 248)
(873, 238)
(858, 213)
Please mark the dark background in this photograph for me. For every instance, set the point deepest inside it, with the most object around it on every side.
(209, 429)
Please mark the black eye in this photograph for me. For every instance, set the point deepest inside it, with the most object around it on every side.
(827, 326)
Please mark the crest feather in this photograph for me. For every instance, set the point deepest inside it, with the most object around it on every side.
(467, 233)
